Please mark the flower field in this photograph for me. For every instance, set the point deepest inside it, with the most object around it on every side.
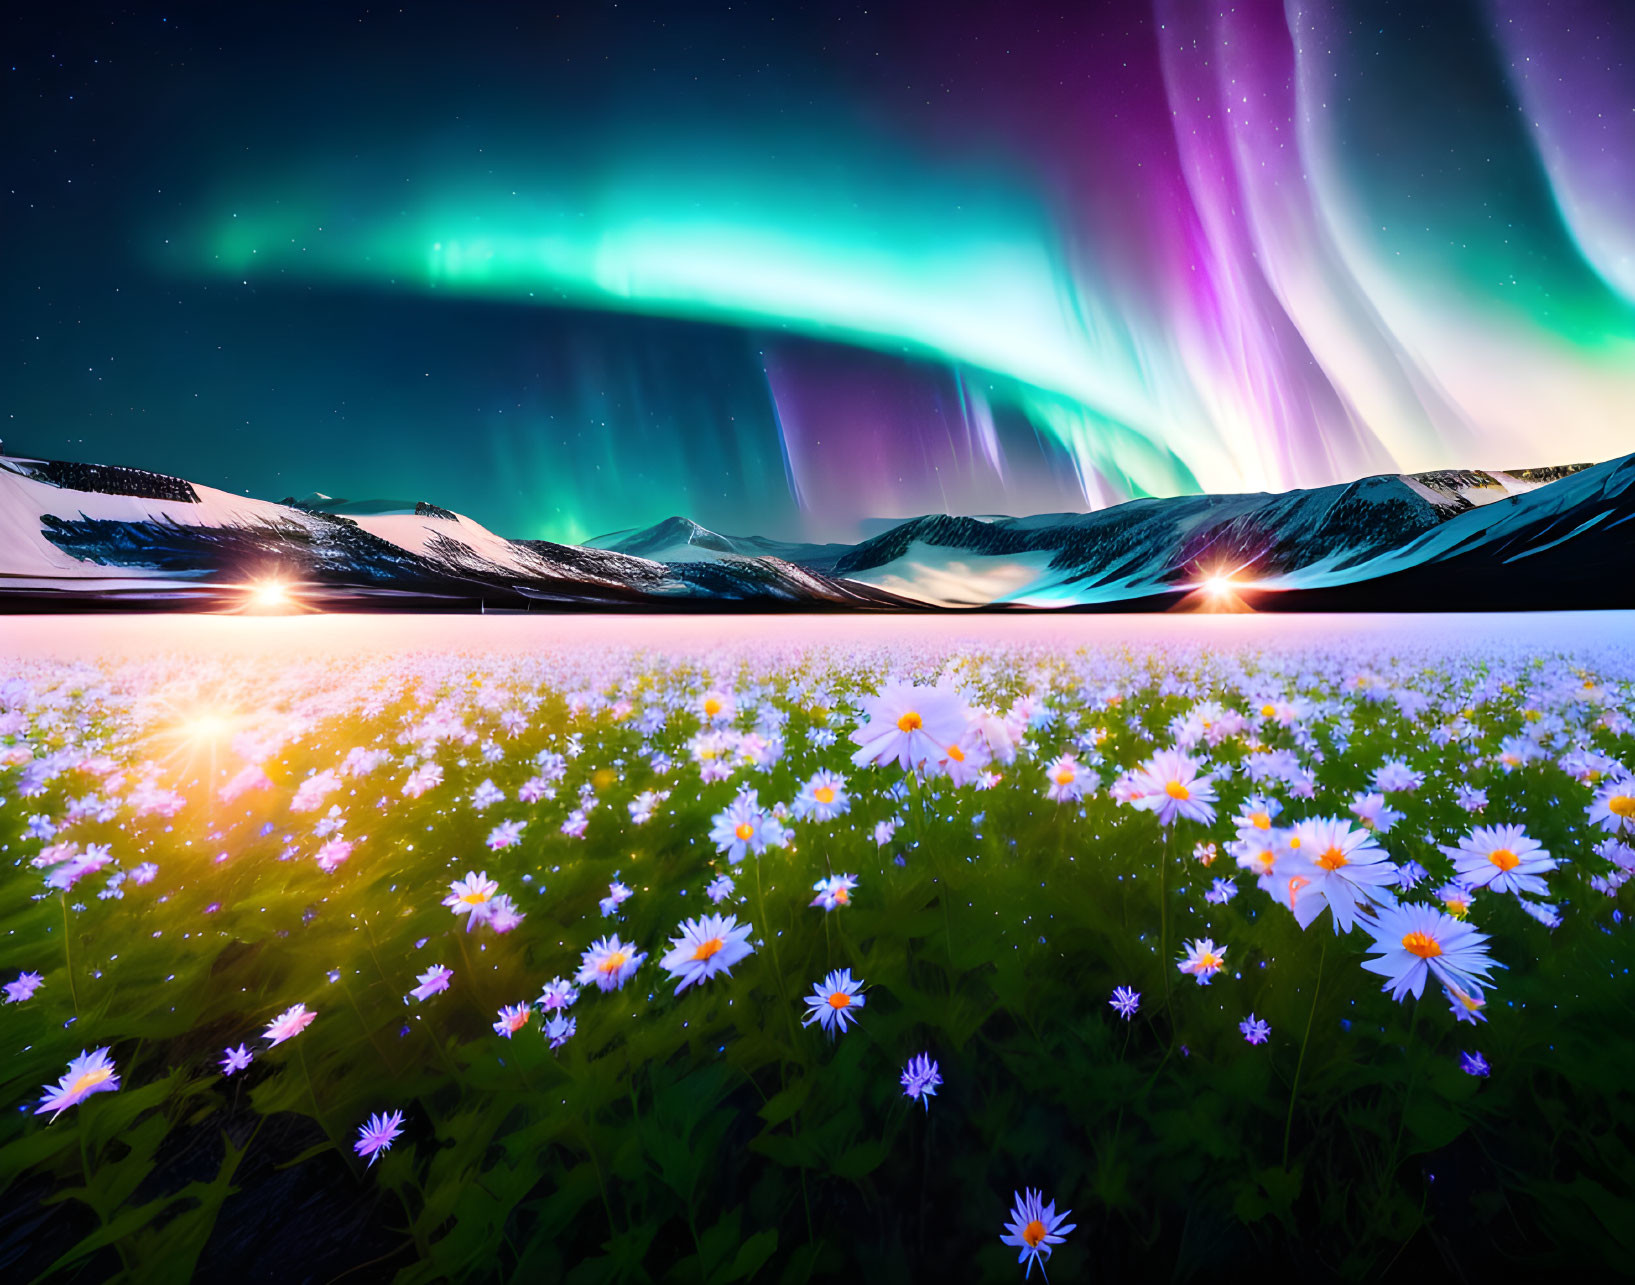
(780, 960)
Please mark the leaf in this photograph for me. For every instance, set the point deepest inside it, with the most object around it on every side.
(1431, 1124)
(752, 1255)
(861, 1160)
(785, 1102)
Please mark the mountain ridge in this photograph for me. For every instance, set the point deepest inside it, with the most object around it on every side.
(89, 535)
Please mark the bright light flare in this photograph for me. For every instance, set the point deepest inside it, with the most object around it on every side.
(1218, 586)
(206, 728)
(271, 595)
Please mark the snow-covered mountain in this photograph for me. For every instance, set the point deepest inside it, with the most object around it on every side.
(98, 535)
(1559, 537)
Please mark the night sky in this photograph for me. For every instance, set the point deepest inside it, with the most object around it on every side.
(785, 267)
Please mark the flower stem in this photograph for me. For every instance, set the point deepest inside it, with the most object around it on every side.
(67, 959)
(772, 947)
(1294, 1089)
(1407, 1094)
(1163, 929)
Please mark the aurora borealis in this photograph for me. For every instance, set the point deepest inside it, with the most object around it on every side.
(788, 268)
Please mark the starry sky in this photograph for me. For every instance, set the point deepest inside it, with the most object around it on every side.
(785, 268)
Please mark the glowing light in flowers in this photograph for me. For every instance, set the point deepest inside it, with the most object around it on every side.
(88, 1073)
(1420, 941)
(377, 1134)
(1067, 780)
(717, 707)
(513, 1017)
(745, 827)
(834, 891)
(472, 897)
(1035, 1228)
(1613, 808)
(609, 963)
(1170, 786)
(1203, 960)
(704, 947)
(1502, 858)
(920, 1079)
(908, 725)
(1456, 897)
(1466, 1005)
(288, 1024)
(822, 798)
(1125, 1001)
(834, 1002)
(1338, 867)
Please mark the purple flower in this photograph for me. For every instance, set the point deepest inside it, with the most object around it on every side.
(235, 1060)
(1220, 892)
(920, 1079)
(1255, 1029)
(23, 988)
(834, 1001)
(559, 992)
(1474, 1064)
(1035, 1228)
(559, 1029)
(720, 888)
(433, 981)
(377, 1134)
(1125, 1001)
(87, 1074)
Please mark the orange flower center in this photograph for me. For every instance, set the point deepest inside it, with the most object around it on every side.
(745, 831)
(1332, 859)
(1422, 944)
(957, 754)
(1034, 1232)
(1177, 791)
(1267, 710)
(1622, 805)
(712, 707)
(614, 962)
(1261, 820)
(90, 1079)
(841, 896)
(708, 948)
(839, 1000)
(909, 722)
(1065, 775)
(474, 898)
(1504, 858)
(824, 794)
